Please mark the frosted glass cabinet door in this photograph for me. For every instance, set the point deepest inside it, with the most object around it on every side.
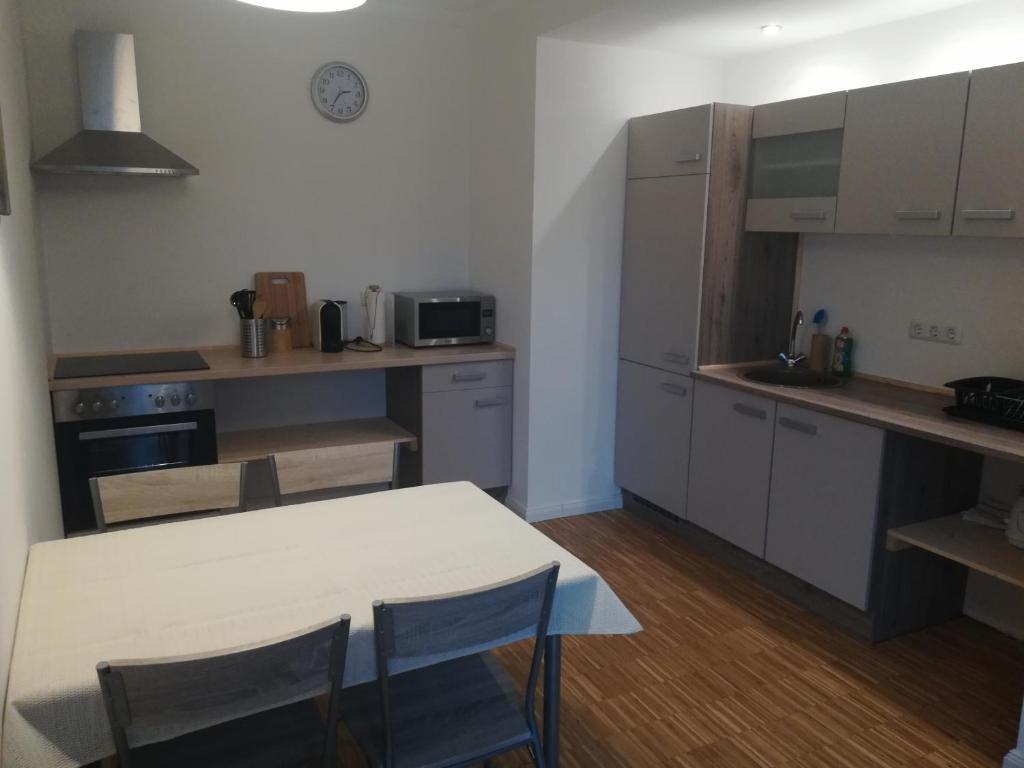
(991, 198)
(661, 267)
(731, 464)
(901, 157)
(652, 435)
(670, 144)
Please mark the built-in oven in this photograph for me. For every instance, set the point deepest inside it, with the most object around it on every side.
(444, 318)
(118, 430)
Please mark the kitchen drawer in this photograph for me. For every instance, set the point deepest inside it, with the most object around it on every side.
(467, 435)
(447, 378)
(670, 144)
(652, 435)
(826, 477)
(792, 214)
(731, 464)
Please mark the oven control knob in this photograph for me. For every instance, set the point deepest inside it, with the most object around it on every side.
(175, 400)
(488, 331)
(159, 401)
(97, 406)
(190, 398)
(79, 407)
(115, 404)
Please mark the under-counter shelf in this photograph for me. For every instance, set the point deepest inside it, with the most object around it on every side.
(977, 546)
(256, 444)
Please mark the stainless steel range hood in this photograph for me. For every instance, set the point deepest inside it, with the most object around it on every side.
(112, 142)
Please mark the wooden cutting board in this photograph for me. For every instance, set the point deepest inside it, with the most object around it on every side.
(285, 294)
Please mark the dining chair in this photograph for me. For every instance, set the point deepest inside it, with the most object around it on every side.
(425, 712)
(144, 496)
(334, 467)
(167, 696)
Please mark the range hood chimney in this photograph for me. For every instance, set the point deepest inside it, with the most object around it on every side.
(112, 142)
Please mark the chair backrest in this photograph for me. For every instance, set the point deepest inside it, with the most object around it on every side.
(343, 466)
(165, 492)
(162, 693)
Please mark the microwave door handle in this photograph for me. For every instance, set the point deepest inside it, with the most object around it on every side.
(159, 429)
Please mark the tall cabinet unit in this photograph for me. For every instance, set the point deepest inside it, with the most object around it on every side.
(683, 302)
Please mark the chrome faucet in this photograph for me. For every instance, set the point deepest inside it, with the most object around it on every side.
(792, 358)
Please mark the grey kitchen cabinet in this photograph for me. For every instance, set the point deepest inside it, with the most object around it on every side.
(797, 149)
(661, 271)
(653, 435)
(731, 464)
(674, 143)
(462, 415)
(823, 506)
(901, 157)
(990, 200)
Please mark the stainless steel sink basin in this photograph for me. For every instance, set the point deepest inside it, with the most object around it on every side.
(793, 377)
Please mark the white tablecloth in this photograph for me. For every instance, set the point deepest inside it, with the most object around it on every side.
(210, 584)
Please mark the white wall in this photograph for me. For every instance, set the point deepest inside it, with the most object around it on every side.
(585, 96)
(29, 507)
(149, 263)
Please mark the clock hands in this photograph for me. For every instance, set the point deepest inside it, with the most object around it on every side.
(340, 94)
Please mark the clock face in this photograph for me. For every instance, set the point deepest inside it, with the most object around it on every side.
(340, 92)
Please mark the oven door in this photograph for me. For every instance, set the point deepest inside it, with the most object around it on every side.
(443, 323)
(123, 445)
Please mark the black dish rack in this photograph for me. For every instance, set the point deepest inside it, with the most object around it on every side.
(989, 399)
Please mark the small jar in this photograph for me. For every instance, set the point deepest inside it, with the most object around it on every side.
(280, 335)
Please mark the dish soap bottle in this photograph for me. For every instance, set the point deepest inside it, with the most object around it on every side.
(842, 358)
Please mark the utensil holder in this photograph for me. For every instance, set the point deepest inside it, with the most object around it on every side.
(254, 338)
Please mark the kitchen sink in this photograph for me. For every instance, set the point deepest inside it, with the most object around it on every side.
(793, 377)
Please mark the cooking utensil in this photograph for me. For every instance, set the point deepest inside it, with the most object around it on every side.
(259, 309)
(238, 301)
(285, 294)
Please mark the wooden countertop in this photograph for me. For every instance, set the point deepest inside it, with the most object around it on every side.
(908, 409)
(227, 363)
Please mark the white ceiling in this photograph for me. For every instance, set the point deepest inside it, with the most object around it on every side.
(729, 28)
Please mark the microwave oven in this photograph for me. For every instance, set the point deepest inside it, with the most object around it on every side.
(444, 318)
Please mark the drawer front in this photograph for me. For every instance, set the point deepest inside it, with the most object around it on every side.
(467, 435)
(824, 501)
(796, 214)
(670, 144)
(448, 378)
(652, 436)
(730, 466)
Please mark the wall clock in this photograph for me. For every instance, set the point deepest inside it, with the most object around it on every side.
(340, 92)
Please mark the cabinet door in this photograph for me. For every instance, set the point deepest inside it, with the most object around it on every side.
(901, 156)
(652, 435)
(467, 435)
(991, 197)
(824, 501)
(791, 214)
(730, 465)
(661, 267)
(670, 144)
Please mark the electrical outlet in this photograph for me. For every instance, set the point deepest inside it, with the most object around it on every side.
(936, 332)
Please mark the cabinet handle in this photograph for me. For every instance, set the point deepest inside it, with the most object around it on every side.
(808, 215)
(747, 410)
(690, 157)
(798, 426)
(674, 389)
(919, 214)
(458, 378)
(990, 214)
(675, 357)
(496, 402)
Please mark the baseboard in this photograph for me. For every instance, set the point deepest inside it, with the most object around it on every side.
(541, 513)
(516, 506)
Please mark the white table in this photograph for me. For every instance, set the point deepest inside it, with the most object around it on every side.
(205, 585)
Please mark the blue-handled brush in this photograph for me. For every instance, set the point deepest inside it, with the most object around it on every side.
(820, 319)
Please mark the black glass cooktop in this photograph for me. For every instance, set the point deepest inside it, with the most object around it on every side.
(122, 365)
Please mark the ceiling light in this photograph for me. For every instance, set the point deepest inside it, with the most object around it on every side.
(307, 6)
(768, 29)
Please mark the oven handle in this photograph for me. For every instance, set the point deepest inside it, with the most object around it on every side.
(159, 429)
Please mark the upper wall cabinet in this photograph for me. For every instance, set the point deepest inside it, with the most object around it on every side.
(670, 144)
(991, 196)
(901, 156)
(797, 150)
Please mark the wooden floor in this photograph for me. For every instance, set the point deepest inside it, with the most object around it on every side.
(727, 675)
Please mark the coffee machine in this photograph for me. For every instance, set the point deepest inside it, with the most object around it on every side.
(330, 325)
